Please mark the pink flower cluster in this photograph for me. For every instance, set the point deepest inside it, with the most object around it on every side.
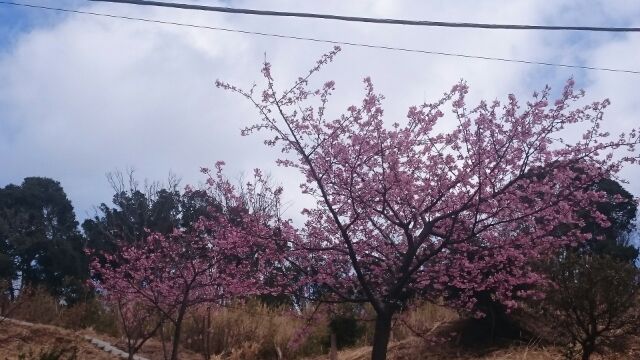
(405, 210)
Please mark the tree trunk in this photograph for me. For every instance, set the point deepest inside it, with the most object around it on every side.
(176, 333)
(12, 292)
(381, 337)
(587, 350)
(206, 326)
(333, 351)
(131, 349)
(164, 342)
(492, 335)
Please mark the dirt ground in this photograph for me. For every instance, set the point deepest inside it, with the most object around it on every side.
(416, 349)
(152, 349)
(18, 339)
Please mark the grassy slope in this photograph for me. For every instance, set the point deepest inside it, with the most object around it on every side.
(415, 349)
(18, 339)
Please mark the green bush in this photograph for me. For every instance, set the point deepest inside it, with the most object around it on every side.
(347, 330)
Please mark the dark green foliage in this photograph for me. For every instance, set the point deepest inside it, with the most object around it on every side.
(347, 330)
(495, 324)
(613, 240)
(40, 244)
(346, 325)
(135, 212)
(593, 303)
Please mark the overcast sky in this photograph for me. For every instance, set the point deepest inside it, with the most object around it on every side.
(83, 95)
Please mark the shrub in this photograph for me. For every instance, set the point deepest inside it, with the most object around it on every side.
(249, 331)
(347, 330)
(90, 313)
(593, 302)
(37, 305)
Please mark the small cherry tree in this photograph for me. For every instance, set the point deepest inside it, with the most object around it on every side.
(403, 210)
(138, 321)
(216, 259)
(164, 274)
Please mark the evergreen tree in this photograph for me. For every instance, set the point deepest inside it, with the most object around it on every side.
(137, 211)
(40, 242)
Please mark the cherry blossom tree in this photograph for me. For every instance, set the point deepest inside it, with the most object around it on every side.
(404, 210)
(138, 321)
(167, 274)
(214, 260)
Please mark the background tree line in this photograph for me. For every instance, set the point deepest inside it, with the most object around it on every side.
(42, 243)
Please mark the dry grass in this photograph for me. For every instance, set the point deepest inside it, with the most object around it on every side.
(38, 306)
(423, 321)
(18, 339)
(152, 349)
(415, 349)
(430, 319)
(253, 331)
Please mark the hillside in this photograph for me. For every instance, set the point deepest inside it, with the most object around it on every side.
(22, 338)
(415, 349)
(18, 338)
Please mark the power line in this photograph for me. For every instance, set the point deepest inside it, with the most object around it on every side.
(371, 20)
(326, 41)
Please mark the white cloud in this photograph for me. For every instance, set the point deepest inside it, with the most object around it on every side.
(89, 94)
